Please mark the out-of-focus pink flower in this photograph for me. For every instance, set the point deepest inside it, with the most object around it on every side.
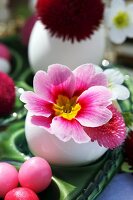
(111, 134)
(67, 102)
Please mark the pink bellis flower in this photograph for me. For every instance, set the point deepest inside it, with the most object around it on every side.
(68, 103)
(111, 134)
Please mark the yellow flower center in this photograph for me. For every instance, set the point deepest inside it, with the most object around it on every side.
(66, 108)
(121, 20)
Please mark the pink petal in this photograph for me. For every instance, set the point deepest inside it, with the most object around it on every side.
(41, 121)
(83, 75)
(99, 79)
(94, 111)
(67, 129)
(62, 80)
(111, 134)
(42, 86)
(36, 105)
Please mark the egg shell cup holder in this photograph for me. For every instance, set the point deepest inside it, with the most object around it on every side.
(68, 183)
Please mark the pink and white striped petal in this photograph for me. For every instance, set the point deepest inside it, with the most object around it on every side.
(112, 134)
(41, 121)
(83, 75)
(36, 105)
(94, 111)
(68, 129)
(99, 79)
(62, 80)
(42, 86)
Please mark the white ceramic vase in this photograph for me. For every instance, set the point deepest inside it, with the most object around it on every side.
(48, 146)
(45, 50)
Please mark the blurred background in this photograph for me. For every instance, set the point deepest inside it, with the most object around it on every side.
(15, 14)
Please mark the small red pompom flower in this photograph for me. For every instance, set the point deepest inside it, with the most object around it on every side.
(71, 19)
(7, 94)
(111, 134)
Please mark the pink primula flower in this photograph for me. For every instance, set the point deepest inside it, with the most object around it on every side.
(67, 103)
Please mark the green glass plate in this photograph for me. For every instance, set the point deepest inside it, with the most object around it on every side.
(16, 64)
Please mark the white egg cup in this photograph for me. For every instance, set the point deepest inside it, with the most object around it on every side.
(45, 50)
(48, 146)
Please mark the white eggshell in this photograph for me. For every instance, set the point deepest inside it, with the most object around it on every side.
(32, 5)
(45, 50)
(5, 65)
(48, 146)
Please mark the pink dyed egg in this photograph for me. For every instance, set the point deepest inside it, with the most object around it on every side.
(4, 52)
(35, 174)
(21, 194)
(8, 178)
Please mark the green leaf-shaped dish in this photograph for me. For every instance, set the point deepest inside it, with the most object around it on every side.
(68, 183)
(16, 64)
